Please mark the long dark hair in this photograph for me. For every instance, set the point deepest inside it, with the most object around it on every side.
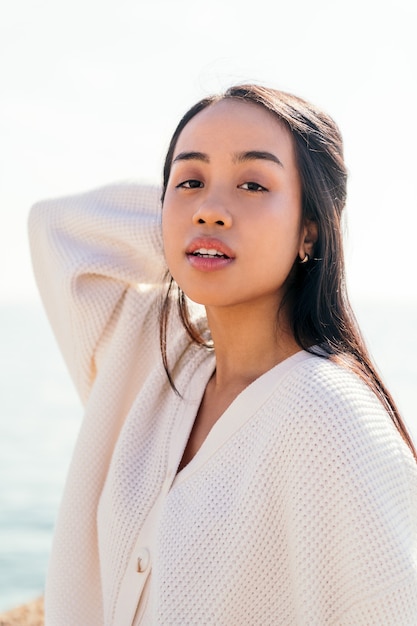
(319, 309)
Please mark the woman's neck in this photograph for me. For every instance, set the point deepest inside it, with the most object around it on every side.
(248, 342)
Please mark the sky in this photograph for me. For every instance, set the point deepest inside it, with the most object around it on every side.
(90, 92)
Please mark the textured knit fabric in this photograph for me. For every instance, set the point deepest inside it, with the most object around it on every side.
(299, 509)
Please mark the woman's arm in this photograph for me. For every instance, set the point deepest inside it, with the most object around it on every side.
(351, 503)
(88, 250)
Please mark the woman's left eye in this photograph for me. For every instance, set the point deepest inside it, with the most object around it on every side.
(251, 186)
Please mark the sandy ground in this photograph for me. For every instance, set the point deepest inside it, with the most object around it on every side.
(30, 614)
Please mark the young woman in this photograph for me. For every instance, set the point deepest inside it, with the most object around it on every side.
(245, 465)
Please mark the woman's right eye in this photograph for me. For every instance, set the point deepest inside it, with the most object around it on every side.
(190, 184)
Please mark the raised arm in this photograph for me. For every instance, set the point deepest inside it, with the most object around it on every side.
(88, 251)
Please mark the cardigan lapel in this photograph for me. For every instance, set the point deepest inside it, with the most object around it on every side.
(243, 407)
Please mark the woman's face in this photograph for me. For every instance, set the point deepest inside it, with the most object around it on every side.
(232, 219)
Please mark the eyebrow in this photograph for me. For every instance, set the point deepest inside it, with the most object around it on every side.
(192, 156)
(253, 155)
(239, 157)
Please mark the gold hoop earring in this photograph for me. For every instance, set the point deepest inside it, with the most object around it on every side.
(305, 260)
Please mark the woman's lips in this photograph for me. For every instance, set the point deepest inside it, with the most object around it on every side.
(211, 246)
(208, 254)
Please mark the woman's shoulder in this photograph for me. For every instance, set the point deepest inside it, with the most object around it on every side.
(334, 436)
(324, 380)
(332, 406)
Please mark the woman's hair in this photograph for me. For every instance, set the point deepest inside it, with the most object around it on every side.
(320, 314)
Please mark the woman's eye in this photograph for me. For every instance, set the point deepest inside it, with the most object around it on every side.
(250, 186)
(190, 184)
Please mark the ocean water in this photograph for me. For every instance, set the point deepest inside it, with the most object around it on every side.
(40, 416)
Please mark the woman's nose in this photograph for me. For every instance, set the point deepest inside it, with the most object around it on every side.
(212, 212)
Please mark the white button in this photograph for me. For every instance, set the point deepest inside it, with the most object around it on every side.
(144, 559)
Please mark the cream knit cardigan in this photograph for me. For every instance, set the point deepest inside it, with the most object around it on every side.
(300, 507)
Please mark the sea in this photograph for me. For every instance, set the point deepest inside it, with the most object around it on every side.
(40, 415)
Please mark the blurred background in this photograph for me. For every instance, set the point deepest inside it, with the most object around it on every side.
(90, 92)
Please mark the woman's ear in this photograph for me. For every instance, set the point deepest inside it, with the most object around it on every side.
(309, 237)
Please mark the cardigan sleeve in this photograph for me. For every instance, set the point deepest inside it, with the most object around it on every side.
(88, 250)
(352, 505)
(397, 604)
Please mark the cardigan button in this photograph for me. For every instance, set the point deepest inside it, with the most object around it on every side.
(144, 558)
